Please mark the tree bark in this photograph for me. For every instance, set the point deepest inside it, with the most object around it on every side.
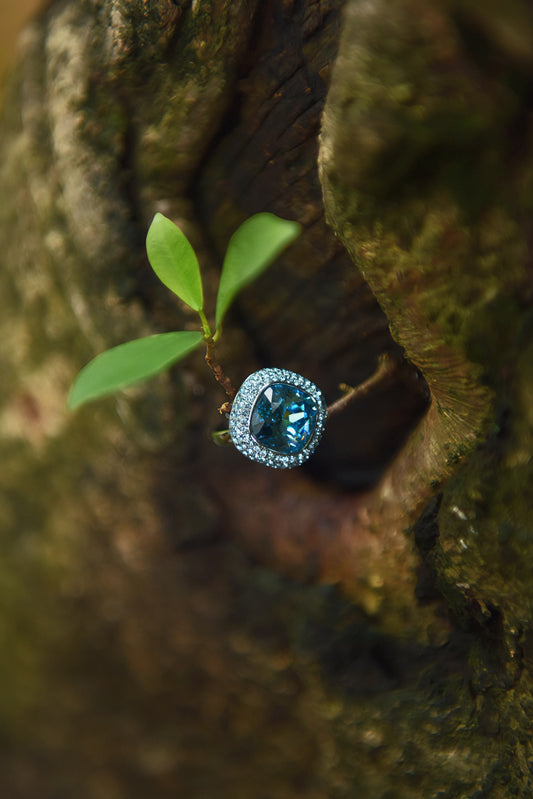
(178, 621)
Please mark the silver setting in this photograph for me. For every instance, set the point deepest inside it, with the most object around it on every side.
(241, 412)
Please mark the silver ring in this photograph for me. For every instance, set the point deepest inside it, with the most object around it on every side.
(277, 418)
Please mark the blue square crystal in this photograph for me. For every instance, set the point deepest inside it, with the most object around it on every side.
(283, 418)
(277, 418)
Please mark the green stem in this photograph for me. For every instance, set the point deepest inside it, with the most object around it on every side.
(208, 336)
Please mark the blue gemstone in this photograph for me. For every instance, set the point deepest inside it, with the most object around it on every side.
(283, 418)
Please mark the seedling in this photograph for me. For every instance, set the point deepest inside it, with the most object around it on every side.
(251, 249)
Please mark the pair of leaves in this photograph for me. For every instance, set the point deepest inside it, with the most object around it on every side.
(255, 245)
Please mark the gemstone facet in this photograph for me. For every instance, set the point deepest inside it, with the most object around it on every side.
(277, 418)
(283, 418)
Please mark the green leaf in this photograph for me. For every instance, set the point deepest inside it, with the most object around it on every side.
(253, 247)
(221, 438)
(174, 261)
(130, 363)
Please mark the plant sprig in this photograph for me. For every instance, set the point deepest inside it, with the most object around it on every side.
(251, 249)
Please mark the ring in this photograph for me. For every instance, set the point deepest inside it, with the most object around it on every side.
(277, 418)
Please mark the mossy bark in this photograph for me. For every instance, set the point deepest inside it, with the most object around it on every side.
(422, 181)
(175, 620)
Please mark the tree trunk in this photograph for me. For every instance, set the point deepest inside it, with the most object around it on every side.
(176, 620)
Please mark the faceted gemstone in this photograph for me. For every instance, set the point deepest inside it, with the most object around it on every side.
(283, 418)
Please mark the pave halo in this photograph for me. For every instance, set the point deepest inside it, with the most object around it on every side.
(277, 418)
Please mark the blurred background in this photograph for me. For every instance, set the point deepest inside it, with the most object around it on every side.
(13, 16)
(175, 621)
